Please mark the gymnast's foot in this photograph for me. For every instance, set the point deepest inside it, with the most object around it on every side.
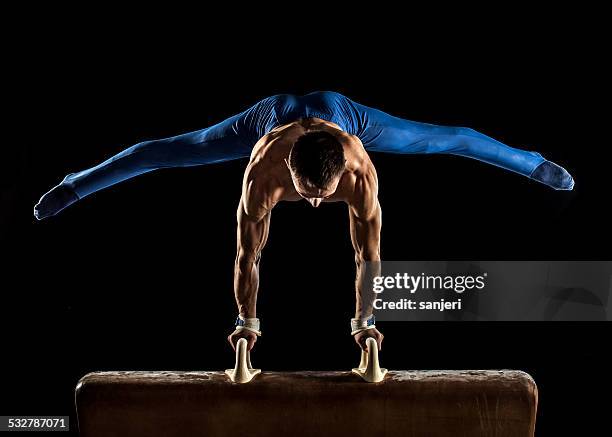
(54, 201)
(553, 175)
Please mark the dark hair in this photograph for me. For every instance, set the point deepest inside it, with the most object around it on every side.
(317, 157)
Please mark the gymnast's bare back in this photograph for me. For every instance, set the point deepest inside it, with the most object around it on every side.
(272, 176)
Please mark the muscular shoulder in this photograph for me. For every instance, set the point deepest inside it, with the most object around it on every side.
(275, 145)
(364, 201)
(363, 195)
(261, 189)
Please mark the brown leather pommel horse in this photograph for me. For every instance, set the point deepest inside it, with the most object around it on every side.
(454, 403)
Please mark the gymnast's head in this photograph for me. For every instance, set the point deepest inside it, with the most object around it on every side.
(316, 163)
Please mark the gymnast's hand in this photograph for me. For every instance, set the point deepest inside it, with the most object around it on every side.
(361, 337)
(250, 336)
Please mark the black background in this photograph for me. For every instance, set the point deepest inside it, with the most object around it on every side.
(139, 276)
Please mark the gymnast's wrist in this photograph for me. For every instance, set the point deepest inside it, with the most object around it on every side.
(250, 324)
(362, 324)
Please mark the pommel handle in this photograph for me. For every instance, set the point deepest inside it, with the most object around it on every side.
(243, 370)
(369, 367)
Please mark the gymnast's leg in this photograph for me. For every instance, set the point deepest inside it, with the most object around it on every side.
(230, 139)
(382, 132)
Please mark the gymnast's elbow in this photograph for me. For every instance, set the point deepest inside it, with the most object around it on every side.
(367, 255)
(247, 258)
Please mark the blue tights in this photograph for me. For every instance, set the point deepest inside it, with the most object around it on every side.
(235, 137)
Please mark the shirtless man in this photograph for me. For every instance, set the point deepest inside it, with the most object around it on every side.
(315, 160)
(312, 147)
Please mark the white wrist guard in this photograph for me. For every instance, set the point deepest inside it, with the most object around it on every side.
(358, 325)
(245, 324)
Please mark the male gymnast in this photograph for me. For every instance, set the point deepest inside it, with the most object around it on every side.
(313, 147)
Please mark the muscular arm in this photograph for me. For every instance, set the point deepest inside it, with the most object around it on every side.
(365, 217)
(252, 235)
(365, 235)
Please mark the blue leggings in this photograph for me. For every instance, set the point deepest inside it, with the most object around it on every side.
(235, 137)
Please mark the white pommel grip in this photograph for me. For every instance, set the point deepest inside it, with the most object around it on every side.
(243, 370)
(369, 367)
